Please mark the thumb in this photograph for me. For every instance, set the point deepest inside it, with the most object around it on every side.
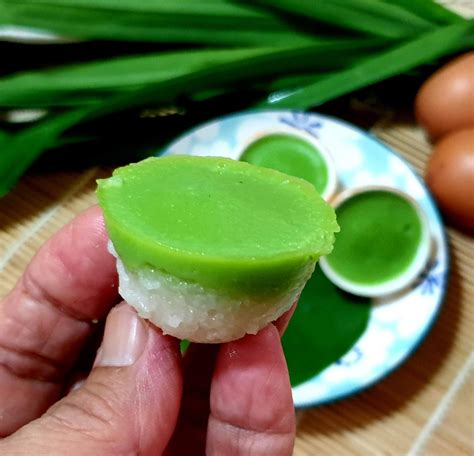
(128, 405)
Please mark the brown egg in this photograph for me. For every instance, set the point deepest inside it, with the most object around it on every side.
(450, 176)
(445, 101)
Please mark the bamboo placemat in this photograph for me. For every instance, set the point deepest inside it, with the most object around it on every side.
(424, 408)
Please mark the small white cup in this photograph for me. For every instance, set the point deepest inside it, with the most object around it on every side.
(398, 283)
(332, 182)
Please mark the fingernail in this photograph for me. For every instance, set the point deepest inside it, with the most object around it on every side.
(125, 337)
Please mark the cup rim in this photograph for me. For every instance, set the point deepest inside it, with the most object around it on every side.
(404, 279)
(332, 180)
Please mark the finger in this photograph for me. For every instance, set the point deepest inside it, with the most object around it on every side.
(75, 382)
(84, 363)
(251, 404)
(128, 405)
(283, 322)
(190, 433)
(46, 319)
(199, 362)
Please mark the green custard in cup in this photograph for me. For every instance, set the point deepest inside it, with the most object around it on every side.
(295, 154)
(383, 245)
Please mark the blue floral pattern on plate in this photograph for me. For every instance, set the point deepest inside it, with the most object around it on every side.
(397, 325)
(302, 121)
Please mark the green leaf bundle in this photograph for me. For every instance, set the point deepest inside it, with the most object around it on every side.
(301, 53)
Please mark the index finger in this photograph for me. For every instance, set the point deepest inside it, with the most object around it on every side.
(252, 409)
(48, 316)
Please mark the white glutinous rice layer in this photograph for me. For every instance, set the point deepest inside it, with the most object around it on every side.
(198, 314)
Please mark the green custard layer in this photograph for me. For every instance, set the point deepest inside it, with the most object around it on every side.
(218, 222)
(380, 235)
(289, 154)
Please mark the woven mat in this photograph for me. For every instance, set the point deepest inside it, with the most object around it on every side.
(426, 407)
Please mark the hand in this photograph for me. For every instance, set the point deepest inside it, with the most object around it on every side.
(141, 397)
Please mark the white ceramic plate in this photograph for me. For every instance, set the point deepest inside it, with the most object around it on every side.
(397, 326)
